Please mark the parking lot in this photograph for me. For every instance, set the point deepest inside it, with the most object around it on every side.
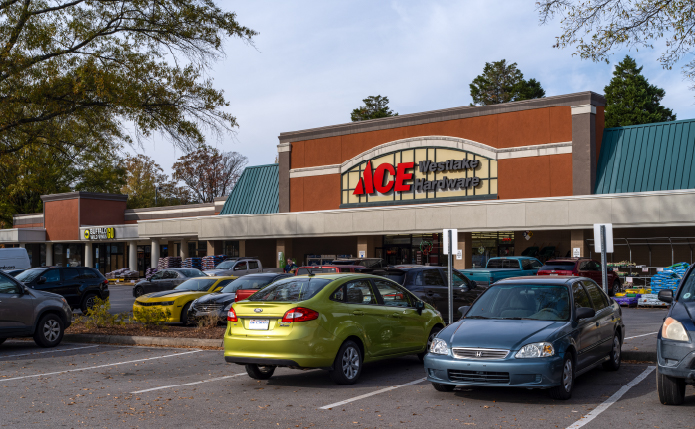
(81, 385)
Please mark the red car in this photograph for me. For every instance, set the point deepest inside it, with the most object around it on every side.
(330, 269)
(582, 267)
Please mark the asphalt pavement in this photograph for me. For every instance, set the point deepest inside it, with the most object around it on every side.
(79, 385)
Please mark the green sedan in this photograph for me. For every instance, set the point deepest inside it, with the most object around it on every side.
(335, 322)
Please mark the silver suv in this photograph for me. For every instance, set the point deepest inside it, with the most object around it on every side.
(28, 312)
(237, 267)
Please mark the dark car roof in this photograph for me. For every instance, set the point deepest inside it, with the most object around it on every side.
(568, 259)
(334, 266)
(540, 280)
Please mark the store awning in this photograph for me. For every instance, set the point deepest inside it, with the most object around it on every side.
(649, 157)
(22, 235)
(256, 192)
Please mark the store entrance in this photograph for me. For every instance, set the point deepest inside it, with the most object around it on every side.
(416, 249)
(397, 255)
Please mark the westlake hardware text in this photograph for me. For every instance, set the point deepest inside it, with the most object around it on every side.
(446, 184)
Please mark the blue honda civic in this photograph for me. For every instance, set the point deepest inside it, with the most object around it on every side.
(531, 332)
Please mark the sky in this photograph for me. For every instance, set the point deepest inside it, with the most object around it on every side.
(314, 61)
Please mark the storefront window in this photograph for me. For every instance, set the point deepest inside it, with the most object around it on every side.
(486, 245)
(418, 249)
(231, 248)
(68, 254)
(108, 256)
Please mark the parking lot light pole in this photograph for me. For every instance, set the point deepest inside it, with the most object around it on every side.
(450, 274)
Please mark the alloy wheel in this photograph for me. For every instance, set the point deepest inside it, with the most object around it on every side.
(616, 350)
(90, 302)
(567, 375)
(51, 330)
(351, 363)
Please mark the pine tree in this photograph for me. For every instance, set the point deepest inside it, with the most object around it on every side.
(503, 83)
(632, 100)
(374, 107)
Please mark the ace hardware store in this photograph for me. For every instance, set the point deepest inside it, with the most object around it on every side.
(523, 178)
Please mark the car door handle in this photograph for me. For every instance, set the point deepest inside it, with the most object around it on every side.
(430, 293)
(396, 315)
(358, 313)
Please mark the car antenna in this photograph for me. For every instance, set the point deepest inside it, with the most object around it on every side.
(311, 273)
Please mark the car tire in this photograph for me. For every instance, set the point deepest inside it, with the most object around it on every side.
(433, 333)
(347, 366)
(260, 372)
(443, 387)
(615, 288)
(184, 314)
(671, 389)
(87, 302)
(49, 331)
(564, 390)
(138, 292)
(615, 356)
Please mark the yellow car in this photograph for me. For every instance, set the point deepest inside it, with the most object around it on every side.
(179, 299)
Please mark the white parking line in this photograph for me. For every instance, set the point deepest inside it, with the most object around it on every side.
(189, 384)
(98, 366)
(347, 401)
(50, 351)
(643, 335)
(612, 400)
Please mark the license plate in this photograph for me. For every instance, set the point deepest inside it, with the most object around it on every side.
(259, 325)
(552, 274)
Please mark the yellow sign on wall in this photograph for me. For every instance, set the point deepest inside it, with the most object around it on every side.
(99, 233)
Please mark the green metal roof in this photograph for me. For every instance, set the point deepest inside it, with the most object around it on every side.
(649, 157)
(256, 192)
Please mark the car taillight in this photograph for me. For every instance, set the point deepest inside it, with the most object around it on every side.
(231, 316)
(105, 282)
(300, 314)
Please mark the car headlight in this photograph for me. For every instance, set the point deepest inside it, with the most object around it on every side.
(674, 330)
(439, 347)
(535, 350)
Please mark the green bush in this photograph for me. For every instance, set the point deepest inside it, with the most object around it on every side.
(99, 317)
(151, 316)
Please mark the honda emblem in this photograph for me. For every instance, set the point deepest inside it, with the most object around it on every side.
(478, 354)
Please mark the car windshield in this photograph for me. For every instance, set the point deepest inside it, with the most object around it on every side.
(558, 265)
(191, 272)
(503, 263)
(396, 277)
(30, 275)
(226, 265)
(198, 285)
(247, 282)
(688, 290)
(293, 289)
(522, 301)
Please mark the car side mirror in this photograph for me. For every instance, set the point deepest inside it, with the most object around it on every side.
(464, 309)
(666, 295)
(473, 284)
(41, 280)
(585, 313)
(419, 306)
(25, 290)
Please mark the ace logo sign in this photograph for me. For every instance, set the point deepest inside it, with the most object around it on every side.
(374, 181)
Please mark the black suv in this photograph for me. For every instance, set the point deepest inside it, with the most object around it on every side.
(78, 285)
(32, 313)
(430, 285)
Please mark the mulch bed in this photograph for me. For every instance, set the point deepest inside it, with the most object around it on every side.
(137, 329)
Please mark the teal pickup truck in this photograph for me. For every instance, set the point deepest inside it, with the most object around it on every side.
(502, 268)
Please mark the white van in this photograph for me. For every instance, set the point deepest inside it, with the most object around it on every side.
(14, 259)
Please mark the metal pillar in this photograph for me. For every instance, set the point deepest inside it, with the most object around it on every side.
(154, 253)
(133, 255)
(450, 277)
(604, 265)
(49, 254)
(88, 260)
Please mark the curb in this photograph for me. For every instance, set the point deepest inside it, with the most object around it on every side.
(641, 356)
(142, 341)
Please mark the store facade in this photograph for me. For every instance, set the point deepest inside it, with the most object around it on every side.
(528, 177)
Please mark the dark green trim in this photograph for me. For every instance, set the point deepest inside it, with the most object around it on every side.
(421, 201)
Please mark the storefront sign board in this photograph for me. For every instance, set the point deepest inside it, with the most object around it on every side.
(609, 237)
(99, 233)
(361, 254)
(454, 241)
(459, 254)
(576, 252)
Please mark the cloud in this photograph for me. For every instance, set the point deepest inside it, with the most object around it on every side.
(315, 61)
